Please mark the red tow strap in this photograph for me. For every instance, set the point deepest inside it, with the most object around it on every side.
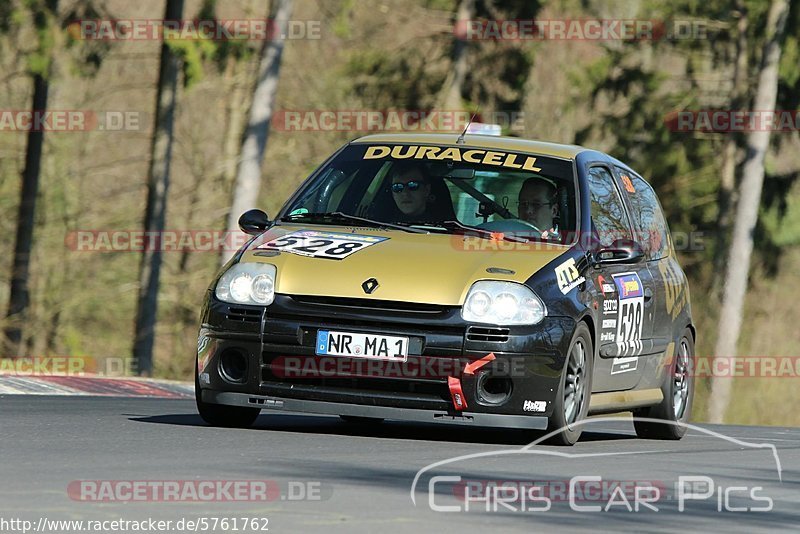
(459, 402)
(454, 383)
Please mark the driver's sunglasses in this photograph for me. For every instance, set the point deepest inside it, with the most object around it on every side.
(399, 186)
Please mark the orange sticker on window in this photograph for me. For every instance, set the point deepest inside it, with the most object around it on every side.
(628, 184)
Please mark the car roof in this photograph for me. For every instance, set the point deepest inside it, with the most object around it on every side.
(512, 144)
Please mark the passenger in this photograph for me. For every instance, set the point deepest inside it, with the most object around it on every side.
(538, 206)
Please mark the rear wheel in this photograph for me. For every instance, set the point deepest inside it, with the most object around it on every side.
(572, 402)
(678, 390)
(221, 415)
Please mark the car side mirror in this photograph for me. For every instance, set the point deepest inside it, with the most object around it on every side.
(619, 253)
(253, 222)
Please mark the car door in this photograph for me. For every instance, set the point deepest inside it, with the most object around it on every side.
(625, 291)
(652, 233)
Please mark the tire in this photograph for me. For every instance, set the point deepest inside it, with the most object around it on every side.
(359, 420)
(575, 389)
(678, 390)
(221, 415)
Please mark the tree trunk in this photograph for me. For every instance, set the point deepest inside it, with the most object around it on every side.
(747, 210)
(157, 188)
(19, 297)
(450, 99)
(254, 142)
(726, 197)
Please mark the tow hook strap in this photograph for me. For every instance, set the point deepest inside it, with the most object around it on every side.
(459, 402)
(454, 383)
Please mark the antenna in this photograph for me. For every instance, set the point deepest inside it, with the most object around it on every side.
(460, 140)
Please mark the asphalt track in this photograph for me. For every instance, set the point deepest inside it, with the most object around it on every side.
(360, 476)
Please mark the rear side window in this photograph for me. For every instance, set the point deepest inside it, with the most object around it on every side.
(648, 219)
(609, 222)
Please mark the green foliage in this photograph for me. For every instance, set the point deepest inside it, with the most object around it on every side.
(393, 81)
(87, 54)
(341, 24)
(196, 53)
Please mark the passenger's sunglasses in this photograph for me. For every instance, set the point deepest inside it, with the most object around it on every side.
(399, 187)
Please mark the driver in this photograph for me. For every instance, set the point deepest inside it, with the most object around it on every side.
(538, 205)
(411, 191)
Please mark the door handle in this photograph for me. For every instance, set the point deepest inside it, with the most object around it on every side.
(648, 293)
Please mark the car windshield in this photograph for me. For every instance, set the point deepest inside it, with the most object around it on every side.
(442, 189)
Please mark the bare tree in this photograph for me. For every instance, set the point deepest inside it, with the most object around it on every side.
(747, 209)
(156, 210)
(450, 97)
(254, 142)
(19, 297)
(726, 196)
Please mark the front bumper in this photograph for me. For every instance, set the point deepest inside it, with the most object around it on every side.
(278, 344)
(381, 412)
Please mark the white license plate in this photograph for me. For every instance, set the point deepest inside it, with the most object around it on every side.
(361, 345)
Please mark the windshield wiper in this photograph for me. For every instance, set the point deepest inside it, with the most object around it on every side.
(338, 216)
(481, 232)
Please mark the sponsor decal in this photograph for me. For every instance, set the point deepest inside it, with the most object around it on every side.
(485, 157)
(568, 276)
(609, 323)
(675, 294)
(326, 245)
(534, 406)
(604, 286)
(624, 365)
(610, 307)
(630, 313)
(607, 336)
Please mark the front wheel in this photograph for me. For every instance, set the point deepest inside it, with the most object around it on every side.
(678, 390)
(221, 415)
(574, 392)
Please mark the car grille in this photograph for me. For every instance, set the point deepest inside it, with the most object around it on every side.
(480, 333)
(370, 304)
(243, 315)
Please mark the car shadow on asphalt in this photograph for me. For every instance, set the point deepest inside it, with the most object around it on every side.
(332, 425)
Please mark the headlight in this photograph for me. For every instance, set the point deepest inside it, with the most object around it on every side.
(248, 283)
(502, 303)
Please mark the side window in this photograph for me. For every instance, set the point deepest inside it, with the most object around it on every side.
(609, 222)
(648, 219)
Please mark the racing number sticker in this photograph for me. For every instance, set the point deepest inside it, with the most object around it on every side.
(327, 245)
(630, 313)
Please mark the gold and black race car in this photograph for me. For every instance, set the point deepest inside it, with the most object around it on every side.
(469, 279)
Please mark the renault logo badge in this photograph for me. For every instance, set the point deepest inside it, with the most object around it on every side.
(369, 286)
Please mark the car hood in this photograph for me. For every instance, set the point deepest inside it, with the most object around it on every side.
(425, 268)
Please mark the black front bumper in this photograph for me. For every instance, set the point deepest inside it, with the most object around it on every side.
(284, 373)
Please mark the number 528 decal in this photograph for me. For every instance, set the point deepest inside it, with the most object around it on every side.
(630, 313)
(328, 245)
